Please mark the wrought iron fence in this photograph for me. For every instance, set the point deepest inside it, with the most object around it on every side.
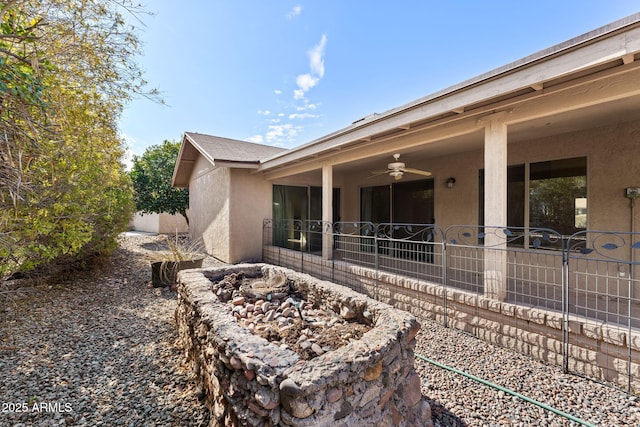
(590, 279)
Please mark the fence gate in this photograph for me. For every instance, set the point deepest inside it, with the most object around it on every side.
(603, 289)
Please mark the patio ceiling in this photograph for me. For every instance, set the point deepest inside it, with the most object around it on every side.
(610, 113)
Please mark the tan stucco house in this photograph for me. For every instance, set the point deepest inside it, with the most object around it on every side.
(228, 200)
(510, 212)
(572, 110)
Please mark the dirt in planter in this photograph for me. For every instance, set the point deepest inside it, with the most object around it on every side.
(326, 337)
(275, 311)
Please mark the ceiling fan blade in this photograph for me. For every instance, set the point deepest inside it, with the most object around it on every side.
(417, 171)
(378, 173)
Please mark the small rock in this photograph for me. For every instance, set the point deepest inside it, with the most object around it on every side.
(369, 394)
(297, 407)
(347, 313)
(317, 349)
(238, 301)
(266, 399)
(235, 362)
(345, 410)
(256, 409)
(411, 390)
(289, 387)
(373, 372)
(334, 394)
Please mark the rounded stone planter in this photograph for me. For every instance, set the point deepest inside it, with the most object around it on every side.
(164, 273)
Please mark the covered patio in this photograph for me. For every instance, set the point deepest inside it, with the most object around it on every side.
(509, 212)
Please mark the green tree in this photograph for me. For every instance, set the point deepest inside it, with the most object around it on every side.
(67, 68)
(151, 175)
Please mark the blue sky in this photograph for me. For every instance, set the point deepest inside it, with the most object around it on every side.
(286, 72)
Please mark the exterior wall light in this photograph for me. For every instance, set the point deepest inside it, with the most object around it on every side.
(450, 182)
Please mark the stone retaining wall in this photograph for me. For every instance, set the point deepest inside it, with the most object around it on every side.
(595, 349)
(249, 381)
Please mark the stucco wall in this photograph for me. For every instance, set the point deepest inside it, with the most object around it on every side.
(159, 223)
(209, 206)
(612, 165)
(613, 154)
(250, 204)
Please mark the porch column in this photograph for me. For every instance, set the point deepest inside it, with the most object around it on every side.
(495, 208)
(327, 211)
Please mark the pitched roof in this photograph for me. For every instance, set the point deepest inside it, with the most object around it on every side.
(233, 150)
(219, 152)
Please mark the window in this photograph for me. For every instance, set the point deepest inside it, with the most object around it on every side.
(402, 202)
(408, 202)
(292, 207)
(557, 196)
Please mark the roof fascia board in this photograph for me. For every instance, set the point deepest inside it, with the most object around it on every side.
(580, 53)
(197, 146)
(179, 161)
(186, 139)
(177, 165)
(236, 164)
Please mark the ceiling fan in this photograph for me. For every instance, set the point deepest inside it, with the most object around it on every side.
(397, 168)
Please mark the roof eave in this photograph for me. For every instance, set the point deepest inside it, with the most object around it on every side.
(363, 129)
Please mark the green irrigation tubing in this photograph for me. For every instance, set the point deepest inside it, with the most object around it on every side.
(506, 390)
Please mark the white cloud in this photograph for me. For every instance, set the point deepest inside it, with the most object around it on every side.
(277, 92)
(282, 133)
(298, 94)
(316, 66)
(316, 57)
(264, 112)
(306, 107)
(297, 9)
(302, 116)
(306, 81)
(277, 135)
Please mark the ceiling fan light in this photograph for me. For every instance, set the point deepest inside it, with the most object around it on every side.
(396, 174)
(395, 165)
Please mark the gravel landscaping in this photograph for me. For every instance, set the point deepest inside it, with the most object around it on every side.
(458, 401)
(98, 349)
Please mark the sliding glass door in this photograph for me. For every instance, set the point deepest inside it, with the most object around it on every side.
(401, 202)
(295, 211)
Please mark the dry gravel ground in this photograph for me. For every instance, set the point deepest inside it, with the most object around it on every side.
(459, 401)
(98, 349)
